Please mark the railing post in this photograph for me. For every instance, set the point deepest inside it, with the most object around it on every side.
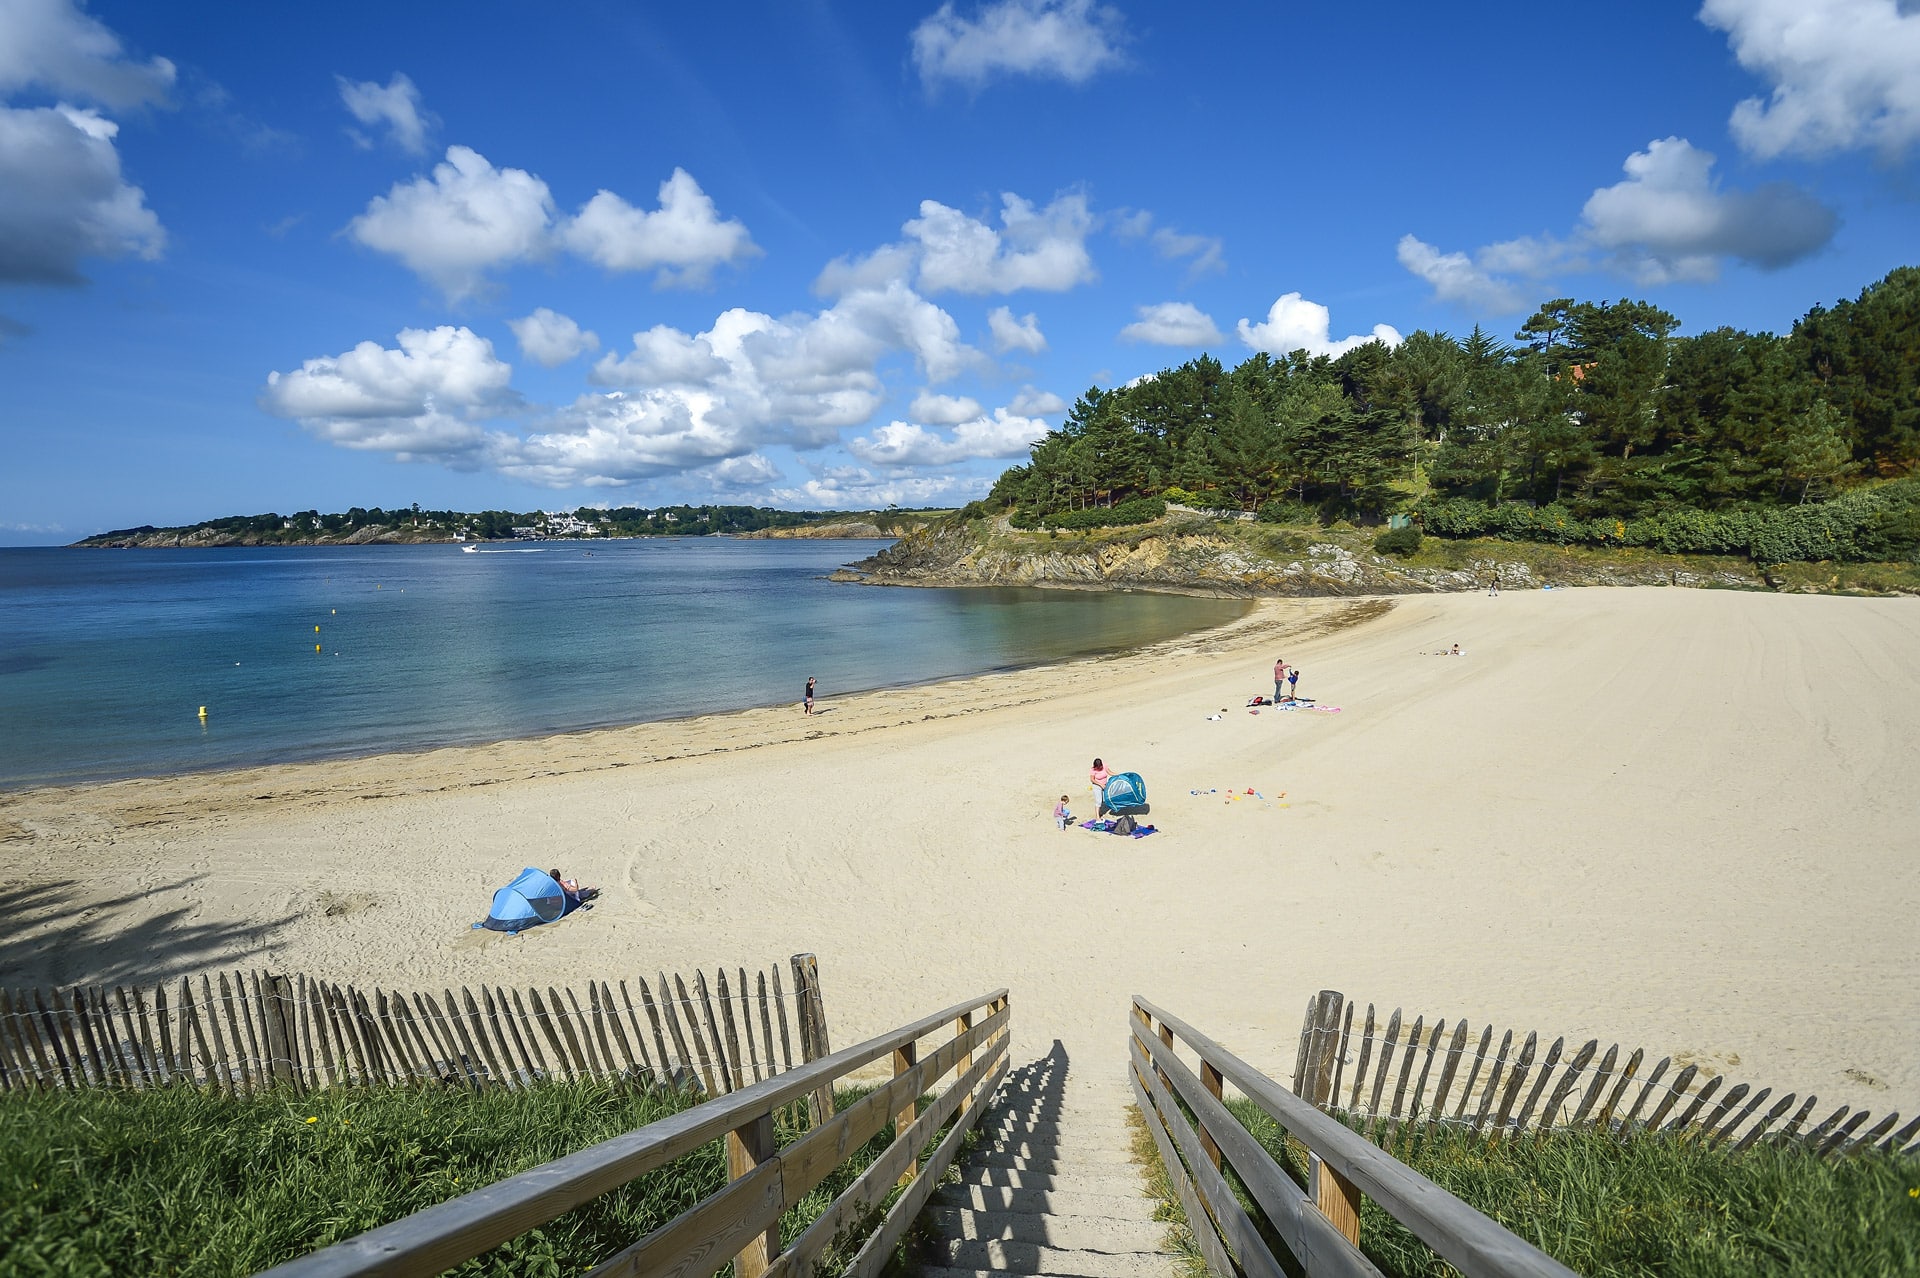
(1210, 1078)
(1337, 1198)
(1324, 1049)
(904, 1059)
(747, 1147)
(961, 1025)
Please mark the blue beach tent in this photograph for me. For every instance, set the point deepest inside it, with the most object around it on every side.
(530, 900)
(1124, 790)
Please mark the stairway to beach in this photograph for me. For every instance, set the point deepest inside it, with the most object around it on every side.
(1052, 1188)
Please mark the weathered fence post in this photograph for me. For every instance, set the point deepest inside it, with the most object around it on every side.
(747, 1147)
(814, 1043)
(1323, 1047)
(904, 1058)
(278, 1014)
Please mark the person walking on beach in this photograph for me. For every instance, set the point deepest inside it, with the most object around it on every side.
(1493, 586)
(1279, 678)
(809, 696)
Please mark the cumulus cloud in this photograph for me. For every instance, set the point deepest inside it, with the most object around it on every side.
(1844, 73)
(1044, 249)
(1036, 403)
(468, 217)
(62, 197)
(1071, 40)
(424, 399)
(1295, 324)
(1172, 324)
(464, 219)
(899, 444)
(1207, 253)
(856, 488)
(51, 45)
(683, 240)
(1010, 334)
(395, 105)
(742, 472)
(1460, 279)
(550, 339)
(944, 410)
(1669, 220)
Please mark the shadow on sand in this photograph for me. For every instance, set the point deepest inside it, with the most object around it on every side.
(57, 933)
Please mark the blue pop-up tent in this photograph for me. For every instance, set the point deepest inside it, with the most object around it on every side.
(1124, 791)
(530, 900)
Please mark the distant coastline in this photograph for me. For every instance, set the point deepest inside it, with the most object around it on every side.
(361, 526)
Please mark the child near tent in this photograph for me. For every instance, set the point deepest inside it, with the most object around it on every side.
(1061, 817)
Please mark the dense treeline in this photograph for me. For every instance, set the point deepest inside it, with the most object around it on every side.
(1596, 414)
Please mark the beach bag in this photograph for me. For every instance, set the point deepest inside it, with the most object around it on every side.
(1125, 825)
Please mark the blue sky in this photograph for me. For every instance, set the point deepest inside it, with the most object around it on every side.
(273, 257)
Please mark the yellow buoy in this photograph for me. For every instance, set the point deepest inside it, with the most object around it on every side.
(316, 647)
(316, 630)
(203, 712)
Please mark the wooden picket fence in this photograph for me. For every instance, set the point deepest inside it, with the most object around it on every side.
(1495, 1091)
(260, 1030)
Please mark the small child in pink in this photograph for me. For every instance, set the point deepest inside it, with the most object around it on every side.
(1061, 817)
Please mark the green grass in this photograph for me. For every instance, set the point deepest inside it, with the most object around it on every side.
(176, 1181)
(1653, 1206)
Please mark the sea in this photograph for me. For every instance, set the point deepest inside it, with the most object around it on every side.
(108, 657)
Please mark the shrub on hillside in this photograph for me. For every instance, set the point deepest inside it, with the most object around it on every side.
(1398, 541)
(1141, 510)
(1285, 510)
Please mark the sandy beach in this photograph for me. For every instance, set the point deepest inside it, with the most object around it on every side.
(1673, 818)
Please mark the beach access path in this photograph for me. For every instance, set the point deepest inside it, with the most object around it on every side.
(1679, 818)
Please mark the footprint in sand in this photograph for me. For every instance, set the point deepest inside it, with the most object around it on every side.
(335, 905)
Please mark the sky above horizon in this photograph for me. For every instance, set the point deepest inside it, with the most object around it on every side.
(262, 258)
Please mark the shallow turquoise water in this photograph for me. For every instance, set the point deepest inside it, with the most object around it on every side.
(106, 656)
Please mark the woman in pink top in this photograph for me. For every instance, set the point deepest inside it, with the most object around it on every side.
(1099, 775)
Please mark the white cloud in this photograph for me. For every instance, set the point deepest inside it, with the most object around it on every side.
(1669, 219)
(1042, 249)
(62, 197)
(52, 45)
(465, 219)
(1071, 40)
(944, 410)
(1295, 324)
(1457, 278)
(856, 488)
(742, 472)
(468, 218)
(1845, 73)
(684, 239)
(1010, 334)
(395, 104)
(1172, 324)
(905, 444)
(1209, 252)
(425, 399)
(550, 339)
(1036, 403)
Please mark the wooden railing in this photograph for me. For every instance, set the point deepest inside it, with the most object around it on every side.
(1487, 1088)
(262, 1030)
(1318, 1225)
(741, 1222)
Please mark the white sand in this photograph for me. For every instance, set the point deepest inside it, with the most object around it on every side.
(1678, 819)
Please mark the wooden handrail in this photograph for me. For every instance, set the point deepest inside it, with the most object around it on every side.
(442, 1236)
(1345, 1163)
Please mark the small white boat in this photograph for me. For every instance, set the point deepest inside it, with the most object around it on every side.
(471, 550)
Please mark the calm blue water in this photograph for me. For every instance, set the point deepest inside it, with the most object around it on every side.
(106, 656)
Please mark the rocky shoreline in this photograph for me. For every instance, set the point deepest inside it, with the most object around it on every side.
(1202, 556)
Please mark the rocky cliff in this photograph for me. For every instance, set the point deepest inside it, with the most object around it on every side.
(1225, 557)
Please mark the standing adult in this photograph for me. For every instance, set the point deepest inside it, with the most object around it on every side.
(809, 697)
(1279, 678)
